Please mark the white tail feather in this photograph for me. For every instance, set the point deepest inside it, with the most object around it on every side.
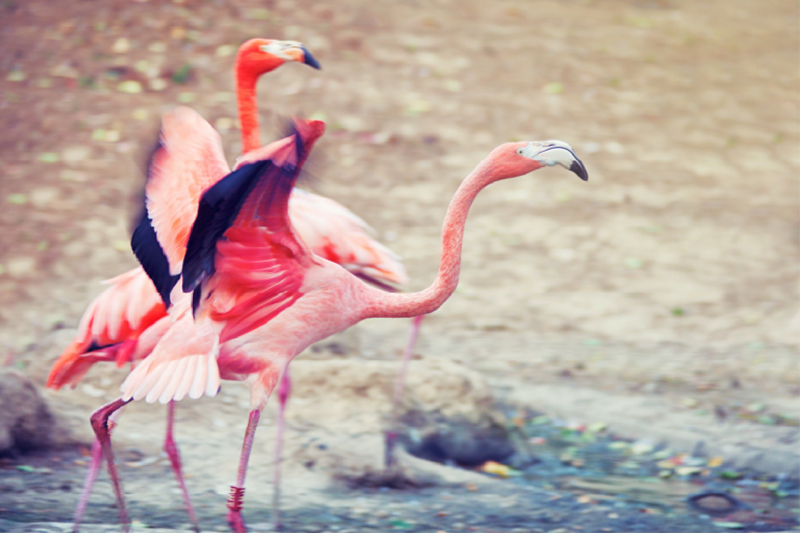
(169, 392)
(186, 380)
(199, 382)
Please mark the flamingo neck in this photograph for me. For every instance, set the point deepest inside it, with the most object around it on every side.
(248, 109)
(397, 305)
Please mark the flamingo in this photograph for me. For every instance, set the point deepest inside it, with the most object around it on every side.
(260, 297)
(124, 323)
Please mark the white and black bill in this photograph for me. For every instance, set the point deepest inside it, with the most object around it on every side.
(553, 152)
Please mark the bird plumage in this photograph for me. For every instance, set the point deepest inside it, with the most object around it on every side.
(105, 325)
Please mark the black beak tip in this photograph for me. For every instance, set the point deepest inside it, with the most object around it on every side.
(309, 60)
(578, 168)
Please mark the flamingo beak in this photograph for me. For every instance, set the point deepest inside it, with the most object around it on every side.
(551, 153)
(309, 60)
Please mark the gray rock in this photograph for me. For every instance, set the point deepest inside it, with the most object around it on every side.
(25, 420)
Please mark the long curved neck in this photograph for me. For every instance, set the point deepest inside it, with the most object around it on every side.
(382, 304)
(248, 108)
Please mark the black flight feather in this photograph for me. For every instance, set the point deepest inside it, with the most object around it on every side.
(147, 249)
(221, 203)
(218, 209)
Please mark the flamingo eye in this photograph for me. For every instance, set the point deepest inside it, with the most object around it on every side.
(519, 151)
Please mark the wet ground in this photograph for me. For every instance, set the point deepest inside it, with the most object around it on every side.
(659, 298)
(550, 494)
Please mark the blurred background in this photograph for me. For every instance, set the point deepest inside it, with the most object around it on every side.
(669, 280)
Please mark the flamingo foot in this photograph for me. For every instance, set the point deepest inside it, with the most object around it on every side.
(175, 461)
(235, 502)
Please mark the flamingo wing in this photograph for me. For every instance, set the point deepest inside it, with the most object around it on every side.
(187, 160)
(110, 327)
(244, 261)
(332, 231)
(255, 195)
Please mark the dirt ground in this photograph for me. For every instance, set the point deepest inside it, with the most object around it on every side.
(661, 296)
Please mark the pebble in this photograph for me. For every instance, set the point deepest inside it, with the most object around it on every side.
(22, 266)
(64, 70)
(17, 198)
(224, 97)
(591, 147)
(43, 196)
(352, 123)
(553, 88)
(94, 392)
(121, 46)
(75, 154)
(130, 87)
(49, 157)
(158, 84)
(73, 175)
(454, 86)
(641, 447)
(224, 124)
(226, 50)
(634, 262)
(109, 136)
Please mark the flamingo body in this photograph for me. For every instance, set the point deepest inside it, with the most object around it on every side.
(266, 298)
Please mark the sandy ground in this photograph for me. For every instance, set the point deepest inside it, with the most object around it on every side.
(669, 279)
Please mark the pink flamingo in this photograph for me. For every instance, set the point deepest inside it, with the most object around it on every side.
(124, 323)
(259, 296)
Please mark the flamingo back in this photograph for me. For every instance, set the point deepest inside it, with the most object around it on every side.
(335, 233)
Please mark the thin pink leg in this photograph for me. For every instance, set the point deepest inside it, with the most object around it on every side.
(391, 435)
(175, 460)
(237, 490)
(91, 474)
(284, 390)
(102, 430)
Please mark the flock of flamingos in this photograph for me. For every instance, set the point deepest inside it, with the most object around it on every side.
(240, 271)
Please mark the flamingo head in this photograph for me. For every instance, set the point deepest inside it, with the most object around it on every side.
(515, 159)
(258, 56)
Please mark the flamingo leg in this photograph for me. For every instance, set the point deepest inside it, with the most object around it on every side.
(284, 390)
(102, 429)
(175, 460)
(237, 490)
(91, 474)
(390, 461)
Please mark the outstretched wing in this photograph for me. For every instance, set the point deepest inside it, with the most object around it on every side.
(186, 162)
(244, 262)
